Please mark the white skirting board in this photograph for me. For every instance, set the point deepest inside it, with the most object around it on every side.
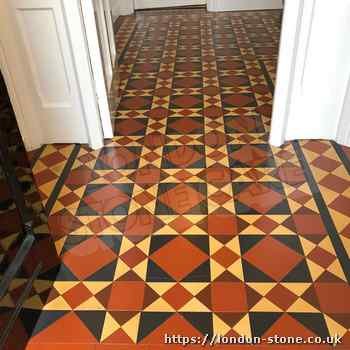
(237, 5)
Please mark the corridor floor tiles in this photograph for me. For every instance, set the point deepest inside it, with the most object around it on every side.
(188, 221)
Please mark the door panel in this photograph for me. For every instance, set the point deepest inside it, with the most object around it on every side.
(45, 48)
(145, 4)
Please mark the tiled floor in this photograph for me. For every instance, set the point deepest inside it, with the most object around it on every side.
(188, 222)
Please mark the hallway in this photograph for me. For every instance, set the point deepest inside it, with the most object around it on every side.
(188, 222)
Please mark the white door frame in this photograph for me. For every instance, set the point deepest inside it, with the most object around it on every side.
(110, 30)
(96, 72)
(103, 39)
(286, 70)
(343, 132)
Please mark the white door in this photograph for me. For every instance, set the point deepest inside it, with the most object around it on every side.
(146, 4)
(38, 35)
(312, 95)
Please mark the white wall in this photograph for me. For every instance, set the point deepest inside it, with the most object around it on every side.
(314, 71)
(126, 7)
(234, 5)
(122, 8)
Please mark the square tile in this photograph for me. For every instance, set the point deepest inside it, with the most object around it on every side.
(250, 156)
(186, 156)
(130, 126)
(184, 125)
(115, 158)
(260, 198)
(243, 124)
(111, 199)
(181, 198)
(238, 100)
(88, 257)
(179, 258)
(258, 265)
(229, 297)
(186, 101)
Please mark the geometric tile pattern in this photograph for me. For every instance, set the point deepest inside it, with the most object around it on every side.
(187, 221)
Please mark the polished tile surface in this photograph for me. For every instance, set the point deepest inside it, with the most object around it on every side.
(188, 221)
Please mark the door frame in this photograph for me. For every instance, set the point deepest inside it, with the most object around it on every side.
(343, 132)
(287, 69)
(96, 66)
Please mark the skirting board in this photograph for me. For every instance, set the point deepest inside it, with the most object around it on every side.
(237, 5)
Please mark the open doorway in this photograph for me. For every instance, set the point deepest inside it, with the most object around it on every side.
(147, 4)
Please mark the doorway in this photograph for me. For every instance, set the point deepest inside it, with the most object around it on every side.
(148, 4)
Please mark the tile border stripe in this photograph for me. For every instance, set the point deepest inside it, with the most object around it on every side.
(325, 215)
(122, 54)
(37, 154)
(60, 182)
(341, 154)
(321, 204)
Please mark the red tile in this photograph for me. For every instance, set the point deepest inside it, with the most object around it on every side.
(88, 257)
(309, 224)
(187, 256)
(260, 257)
(228, 297)
(77, 295)
(282, 297)
(133, 256)
(333, 297)
(177, 296)
(127, 295)
(60, 346)
(321, 257)
(222, 224)
(260, 198)
(325, 163)
(287, 326)
(225, 257)
(181, 198)
(341, 204)
(106, 199)
(74, 332)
